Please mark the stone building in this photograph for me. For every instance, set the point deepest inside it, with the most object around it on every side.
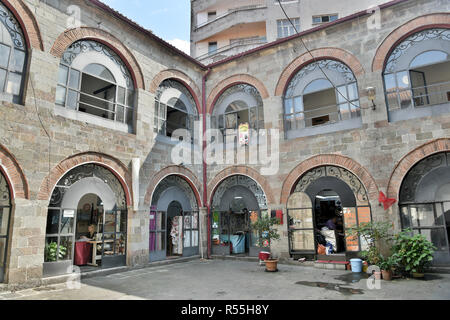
(221, 29)
(90, 107)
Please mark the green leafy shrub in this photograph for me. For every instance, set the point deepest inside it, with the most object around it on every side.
(265, 230)
(414, 253)
(51, 252)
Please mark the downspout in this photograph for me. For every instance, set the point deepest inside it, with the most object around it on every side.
(205, 167)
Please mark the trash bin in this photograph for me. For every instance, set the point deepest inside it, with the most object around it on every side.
(356, 265)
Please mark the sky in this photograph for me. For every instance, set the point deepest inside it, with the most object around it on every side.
(168, 19)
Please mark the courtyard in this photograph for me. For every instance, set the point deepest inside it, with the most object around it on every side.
(238, 280)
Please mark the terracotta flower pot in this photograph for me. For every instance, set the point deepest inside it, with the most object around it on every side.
(418, 275)
(387, 275)
(271, 265)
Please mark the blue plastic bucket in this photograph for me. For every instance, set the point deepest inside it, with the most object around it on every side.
(356, 265)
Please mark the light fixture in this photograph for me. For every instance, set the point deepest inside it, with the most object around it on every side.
(371, 95)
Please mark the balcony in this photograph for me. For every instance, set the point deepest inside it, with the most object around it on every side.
(234, 16)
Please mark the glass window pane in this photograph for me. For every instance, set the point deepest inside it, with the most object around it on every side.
(355, 109)
(72, 100)
(403, 79)
(4, 55)
(62, 74)
(2, 79)
(121, 95)
(60, 95)
(162, 111)
(129, 116)
(404, 217)
(288, 106)
(342, 94)
(302, 240)
(51, 249)
(4, 219)
(19, 61)
(156, 108)
(65, 248)
(353, 91)
(344, 111)
(53, 221)
(2, 252)
(261, 113)
(405, 99)
(74, 80)
(436, 236)
(67, 222)
(120, 244)
(290, 122)
(392, 99)
(120, 116)
(130, 98)
(298, 104)
(14, 83)
(109, 223)
(389, 81)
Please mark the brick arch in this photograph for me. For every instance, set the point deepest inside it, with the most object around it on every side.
(410, 160)
(330, 159)
(14, 175)
(179, 171)
(435, 20)
(68, 37)
(27, 22)
(112, 164)
(244, 171)
(231, 81)
(319, 54)
(181, 77)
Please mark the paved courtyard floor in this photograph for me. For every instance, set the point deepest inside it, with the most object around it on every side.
(237, 280)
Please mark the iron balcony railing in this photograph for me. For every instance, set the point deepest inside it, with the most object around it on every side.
(233, 45)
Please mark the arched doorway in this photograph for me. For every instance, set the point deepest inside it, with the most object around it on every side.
(174, 220)
(425, 203)
(5, 213)
(86, 222)
(237, 202)
(324, 204)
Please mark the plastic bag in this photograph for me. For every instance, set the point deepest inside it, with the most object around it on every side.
(322, 250)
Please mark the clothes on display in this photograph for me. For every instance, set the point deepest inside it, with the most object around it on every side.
(176, 234)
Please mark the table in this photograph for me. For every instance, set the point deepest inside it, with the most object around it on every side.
(82, 253)
(96, 257)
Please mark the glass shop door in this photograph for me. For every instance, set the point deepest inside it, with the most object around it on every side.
(158, 237)
(301, 224)
(114, 239)
(191, 235)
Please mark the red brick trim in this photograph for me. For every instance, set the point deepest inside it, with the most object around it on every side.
(14, 175)
(330, 159)
(435, 20)
(245, 171)
(68, 37)
(231, 81)
(319, 54)
(110, 163)
(410, 160)
(181, 77)
(27, 22)
(179, 171)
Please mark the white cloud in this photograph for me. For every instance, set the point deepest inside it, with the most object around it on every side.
(183, 45)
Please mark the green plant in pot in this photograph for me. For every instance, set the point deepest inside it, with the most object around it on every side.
(414, 253)
(264, 227)
(51, 250)
(387, 266)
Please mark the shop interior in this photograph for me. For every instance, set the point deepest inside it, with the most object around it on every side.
(174, 248)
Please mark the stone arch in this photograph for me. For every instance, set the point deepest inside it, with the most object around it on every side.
(410, 160)
(319, 54)
(245, 171)
(330, 159)
(435, 20)
(183, 173)
(68, 37)
(14, 175)
(114, 165)
(182, 78)
(28, 23)
(229, 82)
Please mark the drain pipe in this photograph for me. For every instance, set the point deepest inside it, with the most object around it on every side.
(205, 191)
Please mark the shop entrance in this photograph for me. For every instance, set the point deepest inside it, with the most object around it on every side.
(174, 221)
(237, 203)
(5, 212)
(327, 201)
(86, 226)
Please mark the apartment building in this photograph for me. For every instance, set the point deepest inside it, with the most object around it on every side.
(223, 28)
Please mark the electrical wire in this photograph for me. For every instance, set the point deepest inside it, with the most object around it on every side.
(315, 60)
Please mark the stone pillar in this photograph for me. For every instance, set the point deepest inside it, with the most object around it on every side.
(138, 237)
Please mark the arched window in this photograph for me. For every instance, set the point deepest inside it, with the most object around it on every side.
(13, 55)
(175, 108)
(311, 99)
(93, 79)
(5, 210)
(417, 73)
(238, 105)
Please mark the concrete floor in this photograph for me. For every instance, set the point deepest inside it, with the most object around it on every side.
(237, 280)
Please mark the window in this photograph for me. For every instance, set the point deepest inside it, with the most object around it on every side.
(417, 73)
(285, 28)
(13, 55)
(212, 47)
(240, 104)
(312, 100)
(5, 209)
(93, 79)
(324, 18)
(175, 108)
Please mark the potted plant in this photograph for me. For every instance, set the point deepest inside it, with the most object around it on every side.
(51, 252)
(386, 265)
(414, 253)
(266, 234)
